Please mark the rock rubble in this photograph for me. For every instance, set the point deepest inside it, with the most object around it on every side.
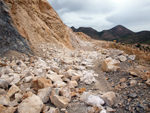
(51, 84)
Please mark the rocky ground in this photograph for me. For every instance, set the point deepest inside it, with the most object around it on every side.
(85, 80)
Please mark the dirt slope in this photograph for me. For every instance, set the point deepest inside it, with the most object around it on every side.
(37, 22)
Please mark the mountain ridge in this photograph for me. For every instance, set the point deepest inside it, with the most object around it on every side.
(119, 33)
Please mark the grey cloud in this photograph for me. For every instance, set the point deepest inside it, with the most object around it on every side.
(104, 14)
(86, 6)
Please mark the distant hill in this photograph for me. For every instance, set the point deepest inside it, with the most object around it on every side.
(119, 33)
(87, 30)
(140, 37)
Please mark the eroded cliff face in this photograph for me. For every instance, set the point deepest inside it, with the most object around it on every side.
(10, 39)
(38, 22)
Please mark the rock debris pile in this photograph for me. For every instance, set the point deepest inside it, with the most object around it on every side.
(50, 84)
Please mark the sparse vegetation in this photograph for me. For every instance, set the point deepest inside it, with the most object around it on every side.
(142, 56)
(138, 45)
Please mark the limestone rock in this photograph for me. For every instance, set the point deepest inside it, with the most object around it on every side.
(55, 69)
(84, 97)
(72, 84)
(40, 63)
(88, 77)
(25, 87)
(94, 101)
(8, 70)
(132, 57)
(63, 109)
(103, 111)
(18, 97)
(133, 82)
(110, 109)
(67, 61)
(7, 109)
(65, 91)
(122, 58)
(90, 110)
(39, 72)
(21, 64)
(26, 95)
(110, 64)
(66, 79)
(44, 94)
(59, 84)
(60, 101)
(133, 73)
(45, 109)
(94, 109)
(123, 80)
(4, 100)
(31, 104)
(109, 98)
(17, 69)
(40, 83)
(79, 68)
(75, 77)
(69, 73)
(55, 91)
(28, 79)
(53, 110)
(28, 72)
(3, 84)
(2, 92)
(148, 82)
(115, 52)
(13, 103)
(54, 77)
(31, 59)
(13, 89)
(124, 85)
(15, 81)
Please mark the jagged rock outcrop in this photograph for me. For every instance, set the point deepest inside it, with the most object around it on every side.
(30, 22)
(10, 39)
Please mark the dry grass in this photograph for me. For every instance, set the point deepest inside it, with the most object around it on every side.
(141, 56)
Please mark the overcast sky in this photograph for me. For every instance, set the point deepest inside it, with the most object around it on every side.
(104, 14)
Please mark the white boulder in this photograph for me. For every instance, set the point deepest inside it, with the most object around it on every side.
(31, 104)
(110, 64)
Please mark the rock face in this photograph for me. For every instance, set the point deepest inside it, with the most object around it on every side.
(26, 23)
(10, 38)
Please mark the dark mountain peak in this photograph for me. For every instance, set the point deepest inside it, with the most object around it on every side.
(73, 28)
(120, 31)
(87, 30)
(120, 28)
